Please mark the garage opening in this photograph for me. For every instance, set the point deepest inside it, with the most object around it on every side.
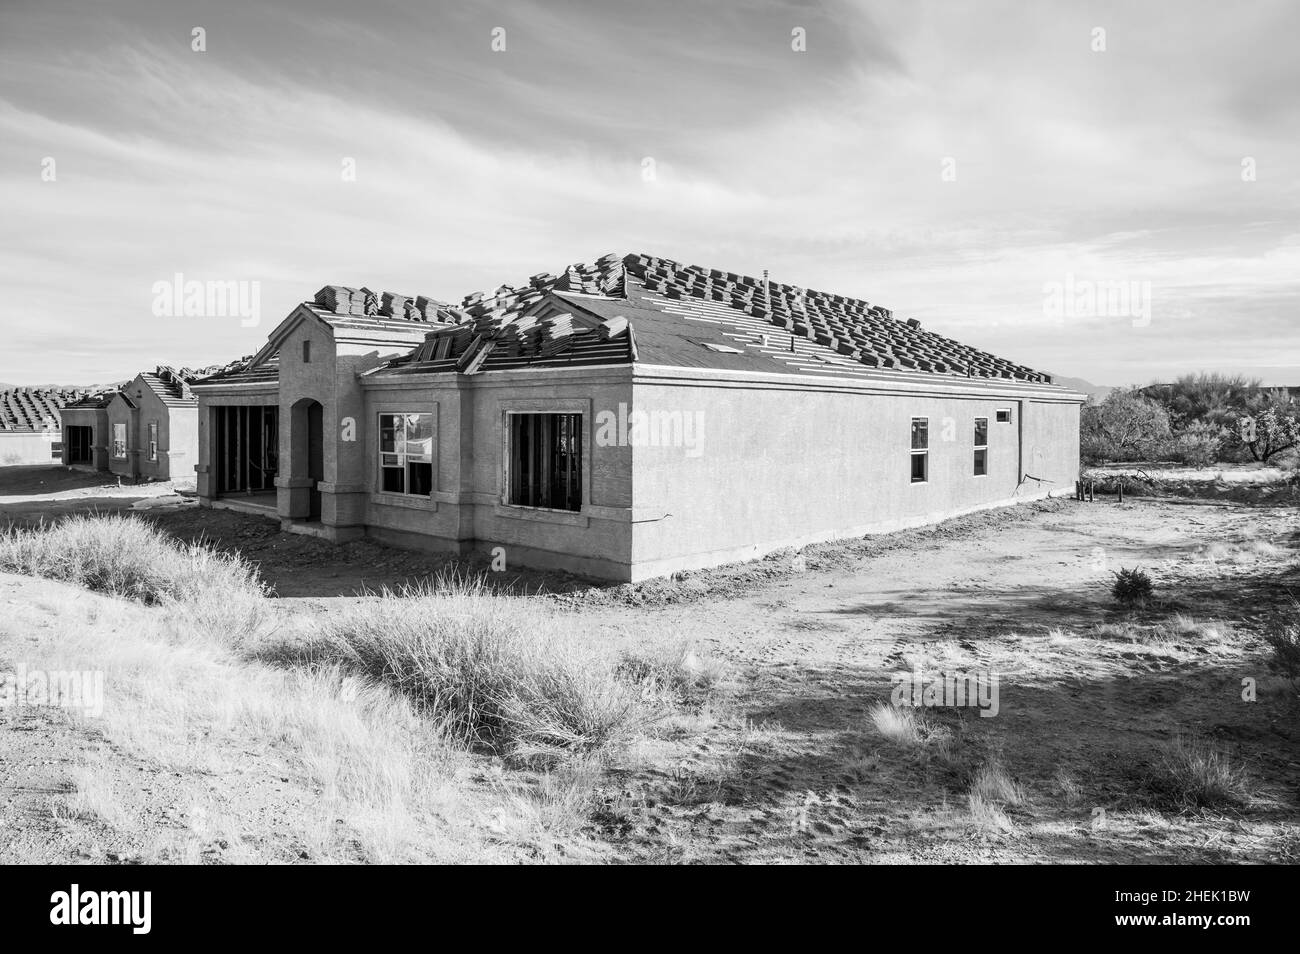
(248, 448)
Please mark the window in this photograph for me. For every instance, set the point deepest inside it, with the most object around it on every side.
(981, 446)
(306, 352)
(153, 440)
(119, 441)
(545, 465)
(1004, 415)
(920, 449)
(406, 454)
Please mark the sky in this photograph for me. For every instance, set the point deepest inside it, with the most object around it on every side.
(984, 167)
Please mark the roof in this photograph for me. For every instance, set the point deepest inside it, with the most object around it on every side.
(655, 311)
(355, 316)
(244, 371)
(173, 387)
(34, 409)
(96, 401)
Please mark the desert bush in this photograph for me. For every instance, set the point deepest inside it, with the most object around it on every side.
(1126, 426)
(218, 594)
(1209, 397)
(1197, 445)
(1269, 425)
(1132, 587)
(1191, 773)
(499, 671)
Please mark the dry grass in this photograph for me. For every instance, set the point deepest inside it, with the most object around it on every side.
(498, 671)
(380, 779)
(900, 725)
(1178, 628)
(678, 675)
(1192, 773)
(125, 557)
(992, 784)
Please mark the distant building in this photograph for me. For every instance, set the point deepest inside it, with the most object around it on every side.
(145, 430)
(30, 424)
(624, 420)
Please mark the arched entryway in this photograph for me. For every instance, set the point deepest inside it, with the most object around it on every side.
(308, 448)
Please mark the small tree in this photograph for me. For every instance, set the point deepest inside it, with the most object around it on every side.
(1270, 426)
(1125, 426)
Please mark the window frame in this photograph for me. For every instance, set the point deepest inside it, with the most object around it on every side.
(153, 440)
(583, 449)
(922, 452)
(979, 461)
(402, 454)
(116, 442)
(998, 418)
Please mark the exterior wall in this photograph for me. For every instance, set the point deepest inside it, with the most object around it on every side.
(467, 510)
(97, 420)
(119, 412)
(179, 443)
(757, 463)
(782, 465)
(27, 447)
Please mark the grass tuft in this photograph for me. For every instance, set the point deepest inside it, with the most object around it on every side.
(499, 671)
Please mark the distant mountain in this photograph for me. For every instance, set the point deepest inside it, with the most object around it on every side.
(1097, 391)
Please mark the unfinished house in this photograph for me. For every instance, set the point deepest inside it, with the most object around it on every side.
(624, 420)
(86, 432)
(30, 424)
(148, 429)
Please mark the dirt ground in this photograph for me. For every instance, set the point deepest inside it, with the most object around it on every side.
(785, 763)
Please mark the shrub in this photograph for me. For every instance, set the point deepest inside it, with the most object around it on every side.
(497, 670)
(125, 557)
(1132, 587)
(1198, 445)
(1194, 774)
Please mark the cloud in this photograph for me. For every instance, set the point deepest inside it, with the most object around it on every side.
(475, 168)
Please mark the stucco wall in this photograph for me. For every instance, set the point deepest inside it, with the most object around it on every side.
(467, 511)
(119, 412)
(779, 465)
(27, 447)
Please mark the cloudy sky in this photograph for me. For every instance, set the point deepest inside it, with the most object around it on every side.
(980, 165)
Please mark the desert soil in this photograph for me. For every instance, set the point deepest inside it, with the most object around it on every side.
(784, 764)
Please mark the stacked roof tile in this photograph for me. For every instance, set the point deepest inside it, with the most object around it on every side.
(592, 314)
(34, 409)
(816, 330)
